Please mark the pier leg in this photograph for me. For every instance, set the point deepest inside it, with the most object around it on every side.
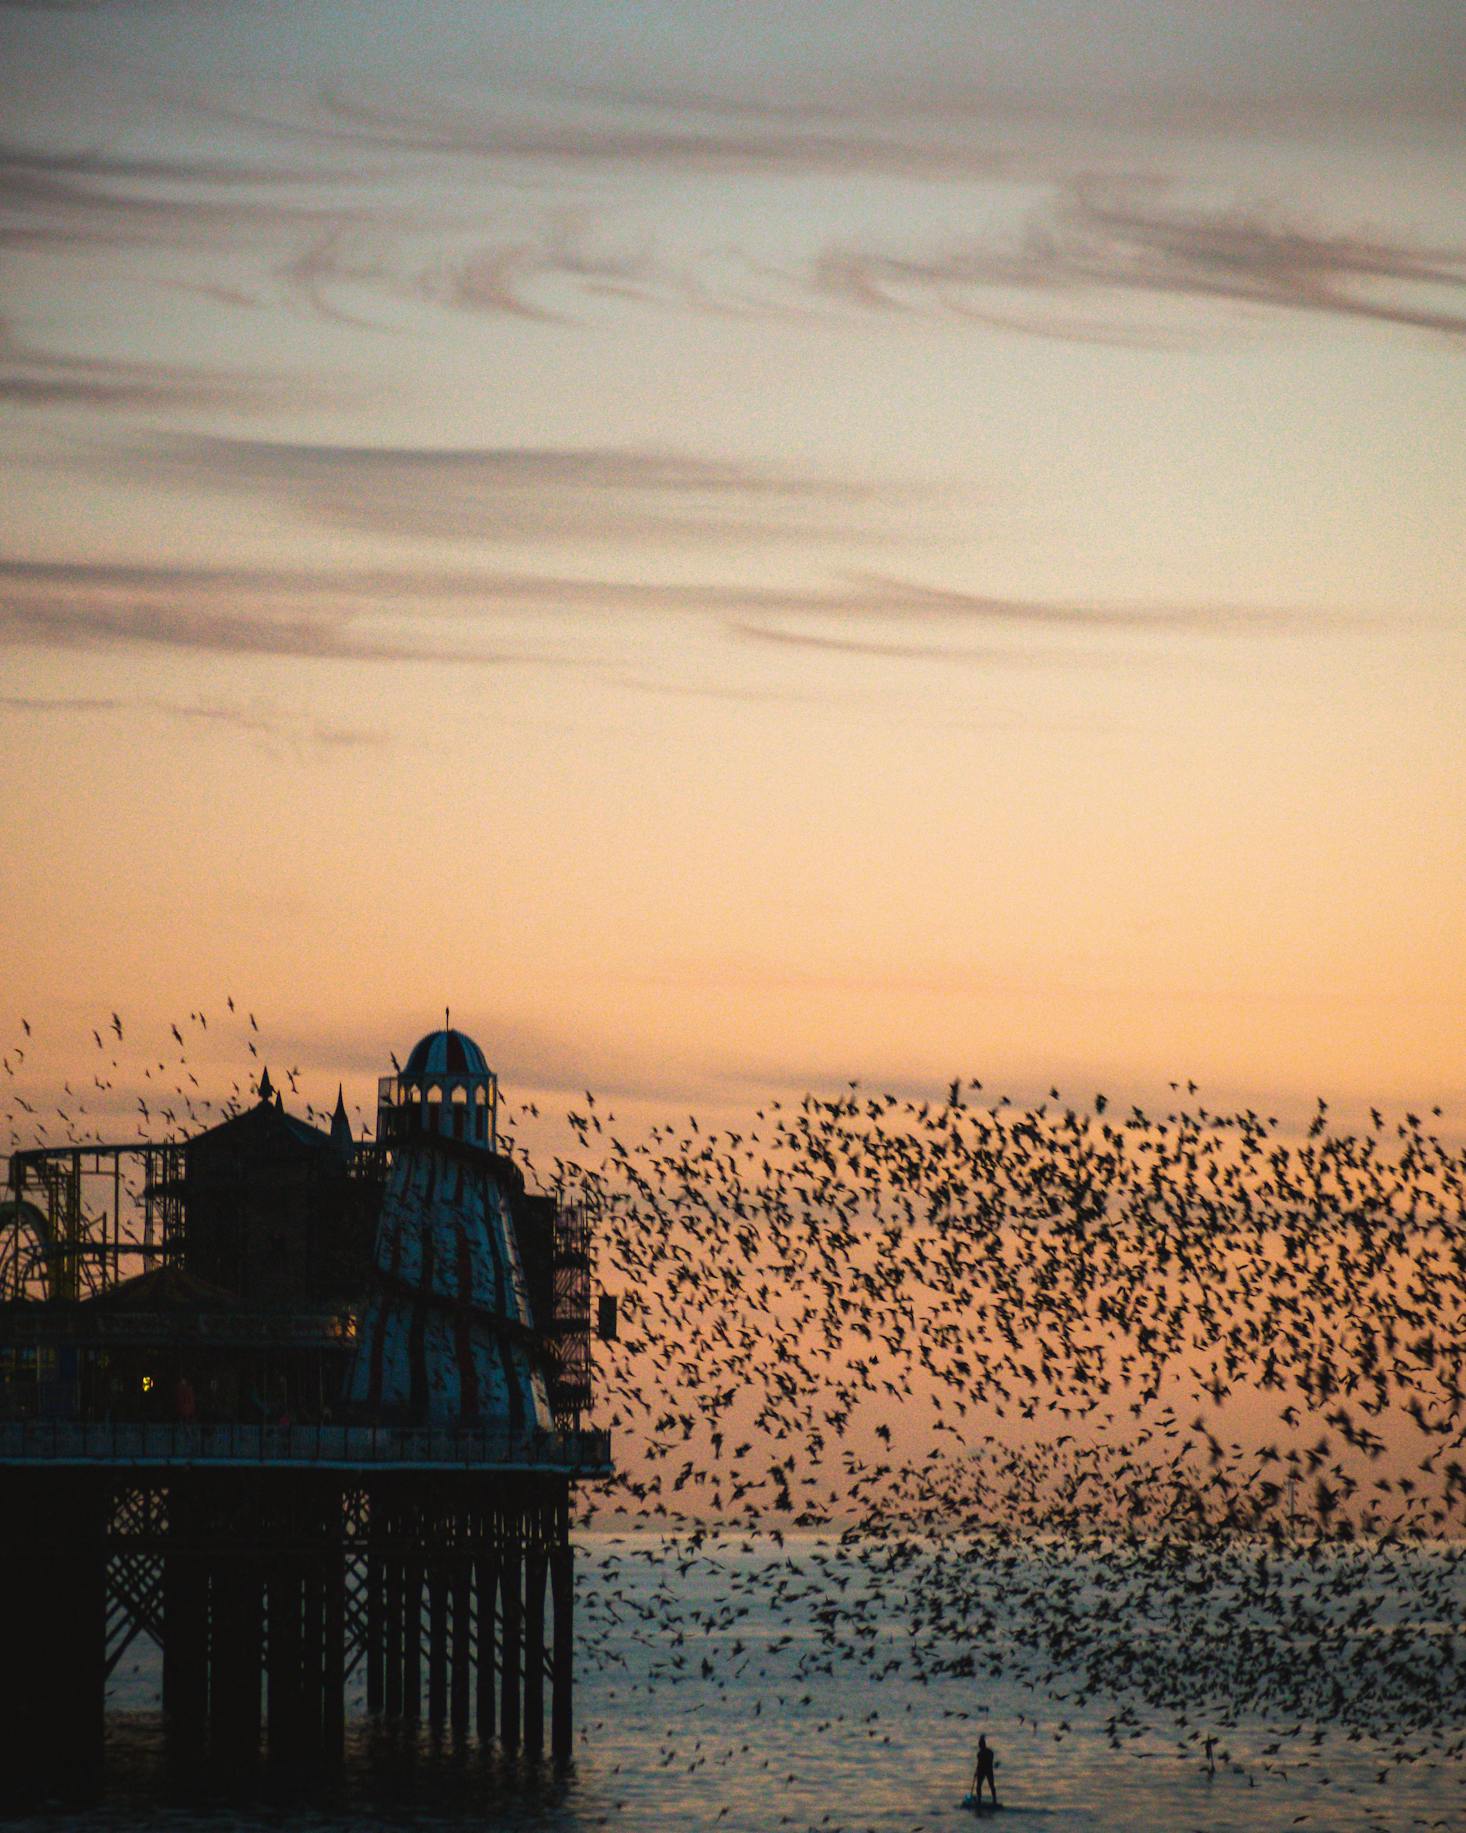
(562, 1586)
(333, 1715)
(412, 1639)
(394, 1581)
(511, 1644)
(83, 1675)
(236, 1639)
(486, 1606)
(534, 1653)
(53, 1539)
(285, 1624)
(313, 1658)
(185, 1630)
(376, 1630)
(437, 1644)
(462, 1649)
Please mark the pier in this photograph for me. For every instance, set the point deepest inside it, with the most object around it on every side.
(324, 1441)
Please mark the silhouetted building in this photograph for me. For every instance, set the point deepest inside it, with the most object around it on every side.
(273, 1211)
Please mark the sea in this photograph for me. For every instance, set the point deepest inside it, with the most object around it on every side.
(710, 1695)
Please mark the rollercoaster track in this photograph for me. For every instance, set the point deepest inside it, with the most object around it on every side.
(27, 1251)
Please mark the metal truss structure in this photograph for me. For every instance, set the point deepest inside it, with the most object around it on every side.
(570, 1386)
(79, 1218)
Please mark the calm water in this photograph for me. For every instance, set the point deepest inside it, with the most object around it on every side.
(735, 1717)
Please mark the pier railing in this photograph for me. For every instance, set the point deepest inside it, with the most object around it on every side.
(43, 1441)
(87, 1327)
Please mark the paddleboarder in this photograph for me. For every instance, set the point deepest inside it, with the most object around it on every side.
(986, 1763)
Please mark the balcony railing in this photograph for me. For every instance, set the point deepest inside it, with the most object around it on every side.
(84, 1326)
(42, 1441)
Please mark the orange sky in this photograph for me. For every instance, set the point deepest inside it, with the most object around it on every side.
(745, 559)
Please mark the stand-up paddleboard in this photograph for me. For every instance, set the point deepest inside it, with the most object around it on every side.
(980, 1807)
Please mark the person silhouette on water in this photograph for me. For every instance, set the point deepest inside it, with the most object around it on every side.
(984, 1771)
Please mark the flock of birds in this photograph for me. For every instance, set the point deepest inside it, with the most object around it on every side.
(1160, 1411)
(174, 1105)
(1165, 1412)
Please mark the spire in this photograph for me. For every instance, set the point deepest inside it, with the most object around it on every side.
(341, 1126)
(267, 1087)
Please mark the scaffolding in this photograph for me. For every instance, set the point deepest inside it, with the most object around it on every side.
(75, 1214)
(570, 1388)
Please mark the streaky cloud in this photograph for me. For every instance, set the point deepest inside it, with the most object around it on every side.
(31, 376)
(248, 720)
(97, 606)
(498, 277)
(591, 467)
(858, 646)
(55, 201)
(946, 98)
(802, 143)
(1101, 245)
(448, 616)
(910, 598)
(512, 493)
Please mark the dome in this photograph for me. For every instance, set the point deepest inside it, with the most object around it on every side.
(446, 1053)
(444, 1087)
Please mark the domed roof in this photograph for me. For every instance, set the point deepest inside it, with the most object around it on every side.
(446, 1053)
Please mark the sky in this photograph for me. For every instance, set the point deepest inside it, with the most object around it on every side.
(740, 548)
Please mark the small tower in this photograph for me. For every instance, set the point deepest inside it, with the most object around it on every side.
(449, 1337)
(445, 1087)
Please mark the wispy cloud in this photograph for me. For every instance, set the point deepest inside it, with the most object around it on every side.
(696, 134)
(1082, 266)
(258, 722)
(863, 598)
(1105, 247)
(510, 276)
(232, 612)
(51, 200)
(476, 618)
(344, 233)
(31, 376)
(1200, 71)
(988, 103)
(865, 646)
(315, 235)
(515, 493)
(876, 594)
